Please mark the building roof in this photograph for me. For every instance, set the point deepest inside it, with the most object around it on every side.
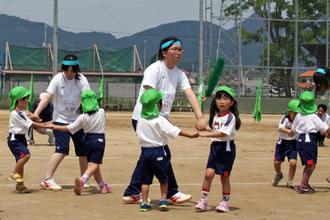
(308, 73)
(305, 85)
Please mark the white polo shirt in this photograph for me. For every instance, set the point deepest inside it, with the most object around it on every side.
(163, 79)
(224, 124)
(309, 123)
(152, 132)
(90, 123)
(19, 123)
(285, 123)
(66, 96)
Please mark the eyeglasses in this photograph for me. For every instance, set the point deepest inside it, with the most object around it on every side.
(177, 49)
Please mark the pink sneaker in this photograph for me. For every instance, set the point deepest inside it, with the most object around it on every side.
(106, 189)
(79, 185)
(223, 206)
(201, 205)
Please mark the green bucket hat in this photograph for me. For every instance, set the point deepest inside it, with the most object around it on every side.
(293, 106)
(230, 91)
(307, 103)
(17, 93)
(149, 100)
(89, 101)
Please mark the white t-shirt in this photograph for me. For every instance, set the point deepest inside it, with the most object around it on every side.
(224, 124)
(19, 123)
(285, 123)
(309, 123)
(90, 123)
(163, 79)
(66, 96)
(152, 132)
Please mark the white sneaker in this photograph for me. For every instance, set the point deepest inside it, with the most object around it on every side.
(133, 199)
(50, 184)
(179, 198)
(87, 185)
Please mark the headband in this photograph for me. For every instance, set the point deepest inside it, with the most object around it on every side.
(70, 62)
(169, 43)
(321, 70)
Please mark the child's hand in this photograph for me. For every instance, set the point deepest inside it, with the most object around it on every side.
(291, 133)
(196, 135)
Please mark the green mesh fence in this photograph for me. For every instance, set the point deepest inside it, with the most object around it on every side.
(39, 59)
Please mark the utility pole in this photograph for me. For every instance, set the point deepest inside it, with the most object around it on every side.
(201, 39)
(55, 37)
(144, 53)
(45, 36)
(296, 51)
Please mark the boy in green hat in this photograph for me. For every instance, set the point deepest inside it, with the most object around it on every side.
(152, 129)
(92, 121)
(19, 125)
(286, 145)
(307, 124)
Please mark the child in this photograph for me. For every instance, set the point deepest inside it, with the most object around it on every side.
(306, 124)
(322, 113)
(92, 121)
(19, 125)
(286, 145)
(224, 120)
(152, 129)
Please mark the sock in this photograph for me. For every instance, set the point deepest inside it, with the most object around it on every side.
(85, 177)
(205, 193)
(226, 196)
(305, 178)
(101, 184)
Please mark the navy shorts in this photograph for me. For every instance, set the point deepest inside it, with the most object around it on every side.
(307, 150)
(220, 159)
(18, 145)
(285, 148)
(154, 162)
(62, 141)
(95, 144)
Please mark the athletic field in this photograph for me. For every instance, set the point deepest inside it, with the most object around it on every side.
(252, 196)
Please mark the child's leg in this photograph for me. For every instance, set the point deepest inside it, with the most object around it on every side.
(225, 187)
(145, 192)
(53, 163)
(209, 175)
(83, 164)
(163, 190)
(277, 166)
(292, 169)
(19, 167)
(308, 170)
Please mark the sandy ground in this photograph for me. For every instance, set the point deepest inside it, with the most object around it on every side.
(252, 196)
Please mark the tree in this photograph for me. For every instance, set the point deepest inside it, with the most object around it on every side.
(282, 33)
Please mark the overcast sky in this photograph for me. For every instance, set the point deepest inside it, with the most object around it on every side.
(118, 17)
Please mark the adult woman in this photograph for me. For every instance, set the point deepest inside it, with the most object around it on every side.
(66, 88)
(163, 75)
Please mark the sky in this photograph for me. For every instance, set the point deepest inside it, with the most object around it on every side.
(117, 17)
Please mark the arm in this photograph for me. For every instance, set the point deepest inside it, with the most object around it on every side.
(40, 125)
(63, 128)
(184, 134)
(200, 123)
(43, 103)
(286, 130)
(212, 134)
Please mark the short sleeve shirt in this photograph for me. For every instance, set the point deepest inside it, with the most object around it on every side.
(93, 123)
(309, 123)
(163, 79)
(224, 124)
(19, 123)
(66, 96)
(286, 123)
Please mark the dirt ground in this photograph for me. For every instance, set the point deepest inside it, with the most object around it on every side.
(252, 196)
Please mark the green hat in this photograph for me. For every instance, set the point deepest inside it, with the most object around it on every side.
(293, 106)
(307, 105)
(89, 101)
(149, 100)
(230, 91)
(17, 93)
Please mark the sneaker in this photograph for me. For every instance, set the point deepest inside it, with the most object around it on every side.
(30, 142)
(86, 185)
(223, 206)
(277, 179)
(144, 207)
(50, 184)
(163, 205)
(15, 177)
(78, 186)
(106, 189)
(290, 184)
(304, 189)
(179, 198)
(201, 205)
(133, 198)
(310, 189)
(328, 179)
(21, 188)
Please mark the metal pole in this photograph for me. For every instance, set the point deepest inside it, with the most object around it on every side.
(144, 53)
(327, 44)
(296, 50)
(240, 49)
(55, 37)
(268, 44)
(201, 65)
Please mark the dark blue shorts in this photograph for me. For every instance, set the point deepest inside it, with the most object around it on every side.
(154, 162)
(287, 148)
(18, 145)
(220, 159)
(62, 141)
(95, 144)
(307, 150)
